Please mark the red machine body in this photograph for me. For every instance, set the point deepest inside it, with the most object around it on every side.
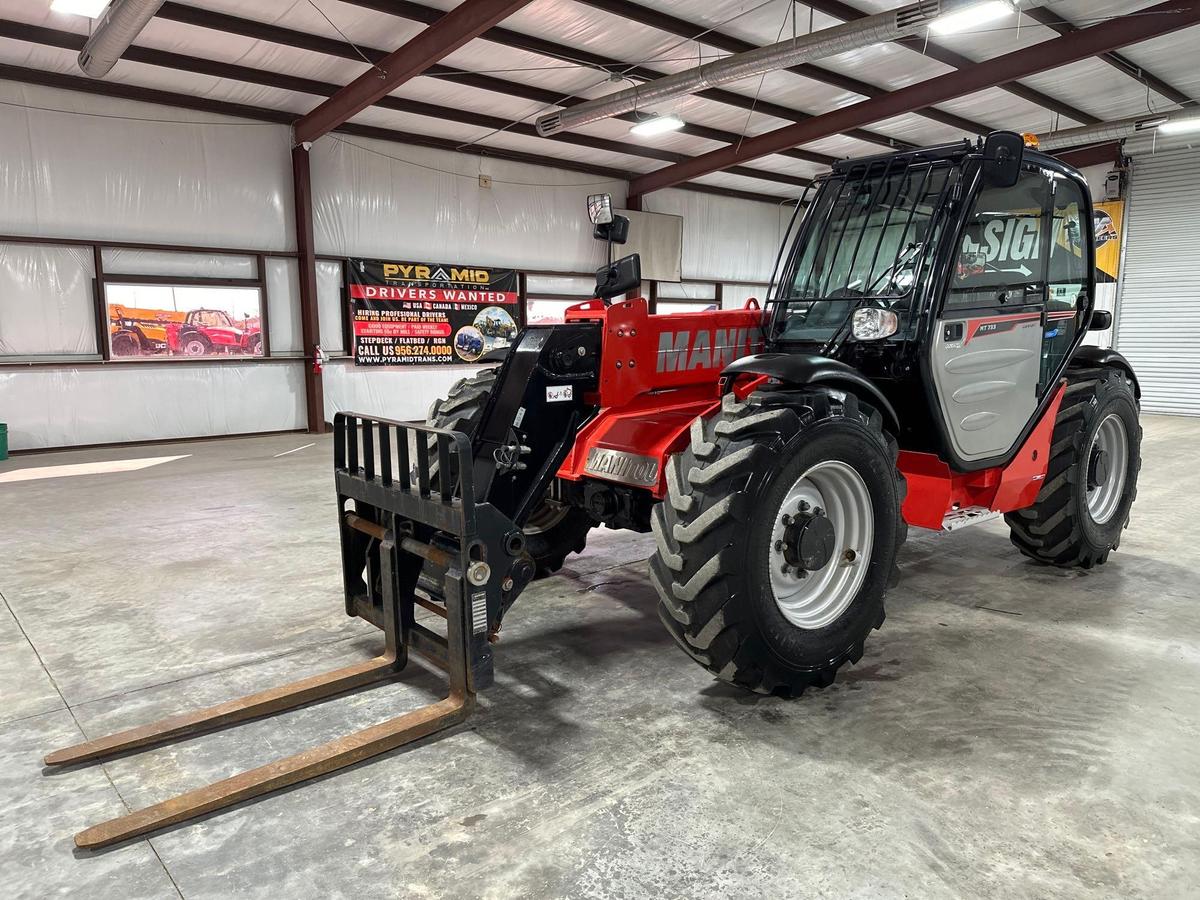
(658, 374)
(662, 371)
(935, 490)
(222, 338)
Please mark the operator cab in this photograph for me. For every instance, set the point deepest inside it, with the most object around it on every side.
(958, 278)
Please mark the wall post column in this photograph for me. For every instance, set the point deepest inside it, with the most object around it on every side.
(310, 323)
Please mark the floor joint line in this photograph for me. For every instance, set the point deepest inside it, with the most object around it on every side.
(78, 725)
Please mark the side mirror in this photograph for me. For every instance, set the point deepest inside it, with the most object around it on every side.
(620, 277)
(1003, 152)
(615, 231)
(1101, 320)
(600, 208)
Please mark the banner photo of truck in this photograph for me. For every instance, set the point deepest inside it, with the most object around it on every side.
(422, 313)
(228, 324)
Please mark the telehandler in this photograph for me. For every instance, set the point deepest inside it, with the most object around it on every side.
(919, 362)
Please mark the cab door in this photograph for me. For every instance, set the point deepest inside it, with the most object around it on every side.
(986, 352)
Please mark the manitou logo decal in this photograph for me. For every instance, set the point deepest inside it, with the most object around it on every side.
(618, 465)
(682, 351)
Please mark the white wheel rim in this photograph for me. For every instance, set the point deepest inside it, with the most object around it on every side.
(1112, 439)
(814, 599)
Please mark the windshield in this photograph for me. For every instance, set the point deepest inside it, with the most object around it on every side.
(864, 246)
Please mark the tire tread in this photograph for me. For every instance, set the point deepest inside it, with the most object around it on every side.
(708, 505)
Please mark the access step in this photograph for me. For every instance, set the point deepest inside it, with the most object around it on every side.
(968, 515)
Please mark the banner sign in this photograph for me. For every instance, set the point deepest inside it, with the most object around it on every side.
(419, 313)
(1107, 219)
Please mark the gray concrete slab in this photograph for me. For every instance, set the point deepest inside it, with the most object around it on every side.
(1012, 730)
(25, 688)
(133, 578)
(38, 815)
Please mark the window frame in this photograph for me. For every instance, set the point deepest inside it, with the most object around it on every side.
(102, 355)
(105, 282)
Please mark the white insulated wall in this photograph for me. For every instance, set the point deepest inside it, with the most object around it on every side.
(97, 168)
(379, 199)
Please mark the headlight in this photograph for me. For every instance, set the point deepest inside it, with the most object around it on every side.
(872, 323)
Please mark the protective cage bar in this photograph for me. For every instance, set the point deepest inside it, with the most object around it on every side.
(403, 520)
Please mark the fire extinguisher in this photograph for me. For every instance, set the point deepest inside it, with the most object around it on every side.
(319, 359)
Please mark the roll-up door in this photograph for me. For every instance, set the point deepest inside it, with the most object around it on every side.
(1158, 319)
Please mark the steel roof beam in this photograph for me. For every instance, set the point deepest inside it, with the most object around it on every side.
(690, 30)
(948, 57)
(542, 47)
(1152, 22)
(301, 40)
(183, 63)
(452, 30)
(1098, 155)
(1052, 20)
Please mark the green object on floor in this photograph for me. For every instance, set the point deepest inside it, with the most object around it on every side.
(3, 441)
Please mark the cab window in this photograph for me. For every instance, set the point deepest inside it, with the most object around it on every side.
(1001, 254)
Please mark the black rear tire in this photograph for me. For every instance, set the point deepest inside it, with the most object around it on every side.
(1059, 529)
(124, 343)
(554, 531)
(715, 547)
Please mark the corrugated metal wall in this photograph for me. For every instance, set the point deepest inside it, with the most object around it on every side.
(1158, 324)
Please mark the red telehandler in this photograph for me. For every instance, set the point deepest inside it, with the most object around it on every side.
(919, 363)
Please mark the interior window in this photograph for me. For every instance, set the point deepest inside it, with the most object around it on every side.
(169, 321)
(1002, 252)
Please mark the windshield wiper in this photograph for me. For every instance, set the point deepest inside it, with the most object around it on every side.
(834, 343)
(898, 266)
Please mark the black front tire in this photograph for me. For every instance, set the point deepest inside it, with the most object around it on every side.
(1059, 529)
(553, 532)
(195, 345)
(714, 537)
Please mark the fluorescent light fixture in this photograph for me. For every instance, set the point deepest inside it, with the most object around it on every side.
(90, 8)
(657, 125)
(1147, 124)
(976, 14)
(1180, 126)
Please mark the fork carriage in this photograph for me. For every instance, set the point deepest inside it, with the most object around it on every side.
(401, 521)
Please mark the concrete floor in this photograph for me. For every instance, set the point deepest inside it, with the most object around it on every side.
(1012, 731)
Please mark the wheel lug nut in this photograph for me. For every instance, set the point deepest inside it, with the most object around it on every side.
(785, 569)
(778, 546)
(787, 520)
(803, 506)
(818, 511)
